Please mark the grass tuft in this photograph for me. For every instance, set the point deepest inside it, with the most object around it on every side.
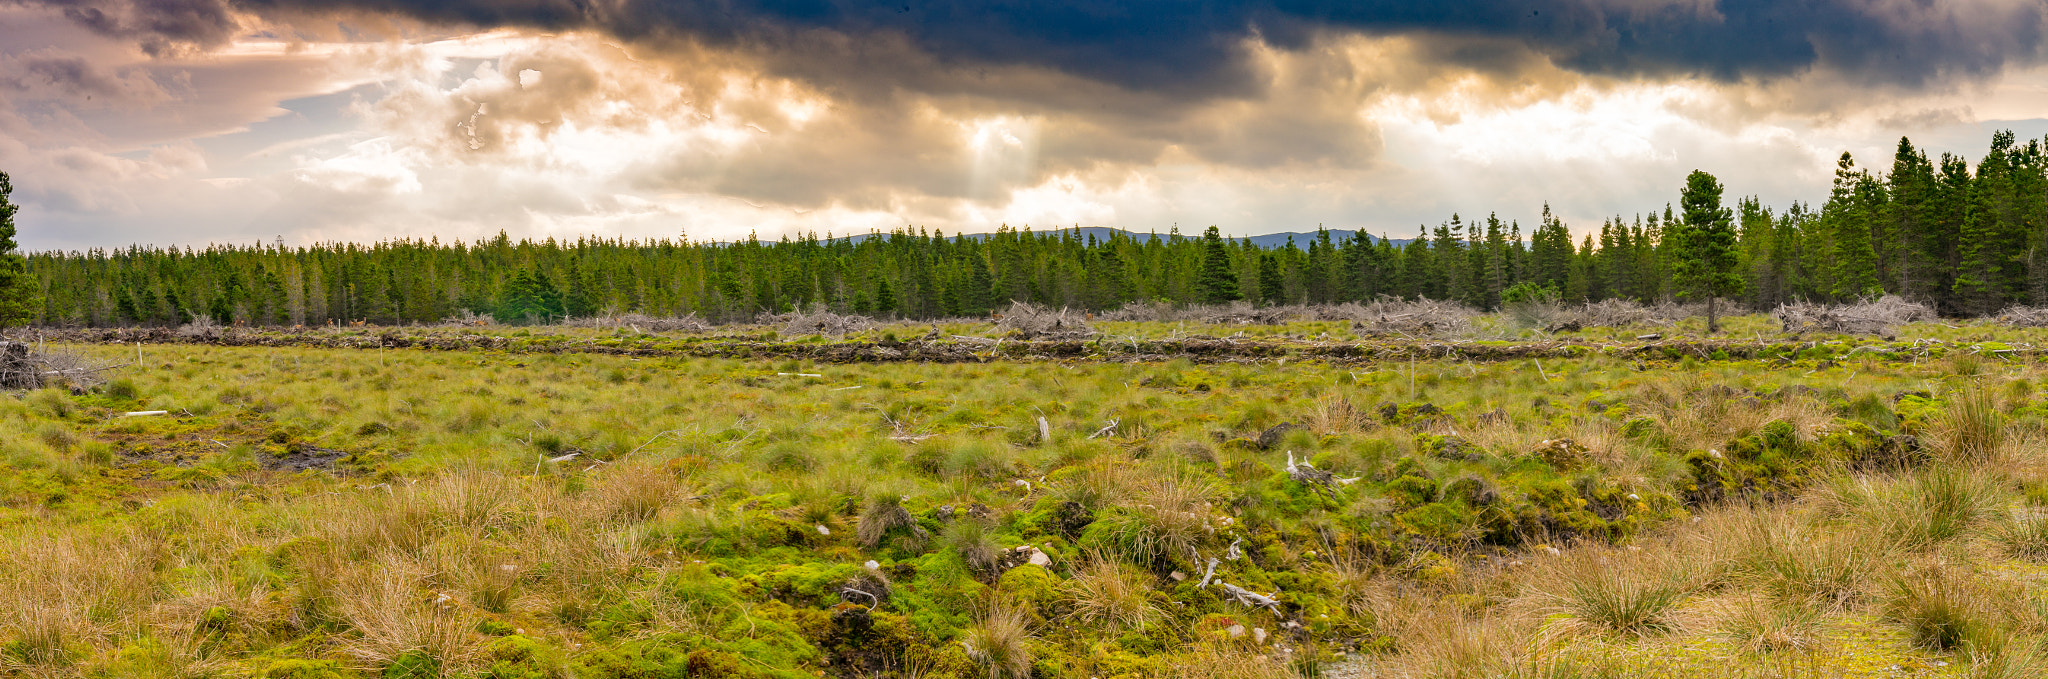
(1000, 642)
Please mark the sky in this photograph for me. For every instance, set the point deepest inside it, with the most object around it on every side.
(189, 122)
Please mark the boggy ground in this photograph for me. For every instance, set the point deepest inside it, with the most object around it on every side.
(320, 513)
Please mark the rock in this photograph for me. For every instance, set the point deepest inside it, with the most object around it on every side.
(1235, 631)
(872, 565)
(1178, 576)
(1040, 559)
(1272, 436)
(1259, 635)
(822, 530)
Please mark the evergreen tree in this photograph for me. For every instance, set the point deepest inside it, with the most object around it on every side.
(18, 299)
(1854, 269)
(529, 297)
(1704, 256)
(1218, 281)
(1271, 285)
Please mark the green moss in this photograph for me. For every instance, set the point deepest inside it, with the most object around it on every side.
(1030, 585)
(518, 657)
(807, 584)
(1411, 491)
(300, 668)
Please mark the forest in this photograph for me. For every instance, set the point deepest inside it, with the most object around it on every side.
(1964, 239)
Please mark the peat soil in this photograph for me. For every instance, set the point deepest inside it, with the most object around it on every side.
(965, 349)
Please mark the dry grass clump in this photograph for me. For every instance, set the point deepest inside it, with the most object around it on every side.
(1881, 316)
(2023, 533)
(1971, 427)
(1025, 320)
(1167, 519)
(1338, 414)
(1443, 642)
(392, 613)
(635, 493)
(1762, 625)
(1213, 664)
(1112, 594)
(1793, 559)
(1000, 642)
(1939, 610)
(883, 515)
(1600, 591)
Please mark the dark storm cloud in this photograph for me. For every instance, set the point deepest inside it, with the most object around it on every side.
(1169, 45)
(161, 27)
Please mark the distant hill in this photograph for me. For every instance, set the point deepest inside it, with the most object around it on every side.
(1269, 240)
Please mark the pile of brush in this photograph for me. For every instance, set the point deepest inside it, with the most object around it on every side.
(2024, 317)
(821, 321)
(639, 322)
(1027, 321)
(22, 367)
(1881, 317)
(1413, 318)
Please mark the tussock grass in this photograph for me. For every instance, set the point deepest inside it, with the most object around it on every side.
(1604, 592)
(1764, 625)
(1971, 427)
(1110, 593)
(1000, 642)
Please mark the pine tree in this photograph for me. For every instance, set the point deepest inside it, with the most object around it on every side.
(1854, 269)
(1704, 256)
(1217, 283)
(1271, 285)
(18, 298)
(529, 297)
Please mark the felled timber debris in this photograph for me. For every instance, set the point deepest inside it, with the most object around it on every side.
(1880, 317)
(22, 367)
(2024, 317)
(820, 321)
(1027, 321)
(1416, 318)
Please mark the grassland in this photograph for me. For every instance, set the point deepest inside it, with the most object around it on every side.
(523, 512)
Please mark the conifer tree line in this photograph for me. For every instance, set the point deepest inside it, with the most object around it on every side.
(1970, 240)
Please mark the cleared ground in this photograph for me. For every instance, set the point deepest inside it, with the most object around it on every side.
(520, 509)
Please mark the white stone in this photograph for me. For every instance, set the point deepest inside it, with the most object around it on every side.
(1177, 576)
(1235, 631)
(822, 530)
(1259, 635)
(872, 565)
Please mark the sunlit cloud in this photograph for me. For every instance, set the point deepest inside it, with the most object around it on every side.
(365, 124)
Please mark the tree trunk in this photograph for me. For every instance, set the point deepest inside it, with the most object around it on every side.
(1713, 319)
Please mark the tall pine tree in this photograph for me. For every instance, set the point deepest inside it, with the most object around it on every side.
(1704, 256)
(18, 301)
